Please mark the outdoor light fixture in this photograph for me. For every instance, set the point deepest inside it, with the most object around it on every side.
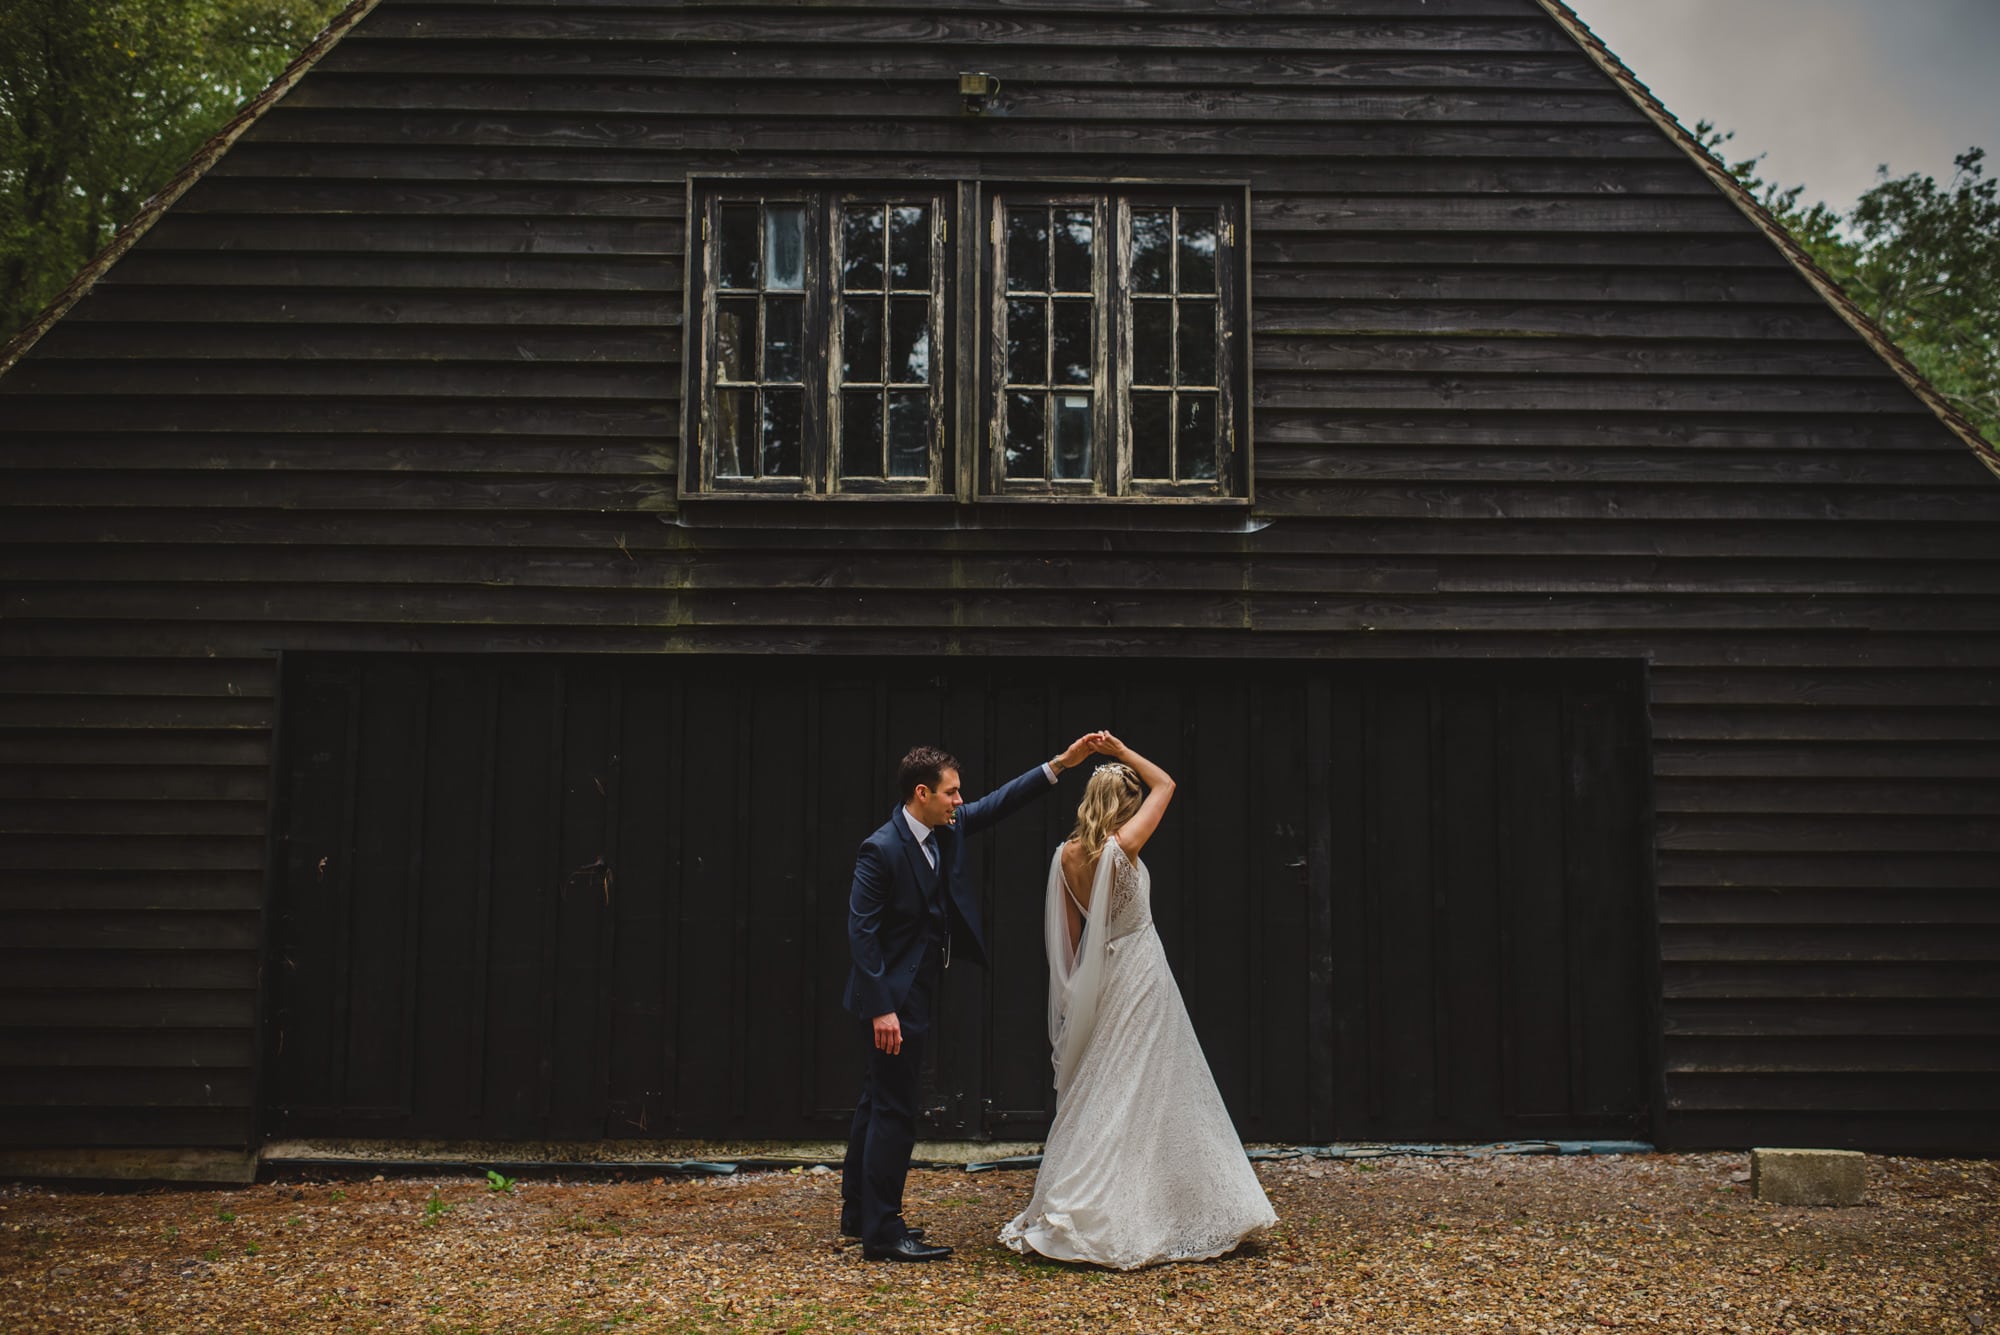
(977, 89)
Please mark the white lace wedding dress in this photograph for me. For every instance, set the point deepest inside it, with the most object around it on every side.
(1142, 1164)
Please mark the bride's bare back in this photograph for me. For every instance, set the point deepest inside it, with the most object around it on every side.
(1079, 874)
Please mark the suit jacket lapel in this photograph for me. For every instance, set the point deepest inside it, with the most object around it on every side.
(920, 866)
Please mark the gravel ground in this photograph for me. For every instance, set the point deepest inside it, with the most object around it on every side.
(1503, 1245)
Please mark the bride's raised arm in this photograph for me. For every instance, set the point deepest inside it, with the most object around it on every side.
(1132, 836)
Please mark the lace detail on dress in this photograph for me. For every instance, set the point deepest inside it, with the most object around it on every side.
(1129, 907)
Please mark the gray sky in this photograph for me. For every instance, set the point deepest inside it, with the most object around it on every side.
(1825, 88)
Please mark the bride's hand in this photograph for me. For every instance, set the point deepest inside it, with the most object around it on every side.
(1106, 745)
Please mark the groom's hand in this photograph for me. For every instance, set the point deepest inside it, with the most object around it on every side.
(889, 1034)
(1075, 754)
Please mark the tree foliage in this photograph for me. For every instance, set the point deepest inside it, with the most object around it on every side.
(102, 101)
(1922, 259)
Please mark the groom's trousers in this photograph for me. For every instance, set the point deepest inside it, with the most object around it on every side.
(885, 1118)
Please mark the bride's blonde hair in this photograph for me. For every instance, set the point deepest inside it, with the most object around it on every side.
(1111, 798)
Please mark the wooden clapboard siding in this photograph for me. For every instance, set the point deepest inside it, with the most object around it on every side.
(133, 810)
(401, 374)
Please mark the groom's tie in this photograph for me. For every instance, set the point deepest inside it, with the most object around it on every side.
(934, 893)
(934, 855)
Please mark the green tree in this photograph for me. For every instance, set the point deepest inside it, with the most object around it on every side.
(102, 101)
(1923, 260)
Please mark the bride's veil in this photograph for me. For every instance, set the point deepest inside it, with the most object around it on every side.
(1075, 978)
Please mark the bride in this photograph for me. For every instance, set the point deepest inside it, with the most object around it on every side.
(1142, 1164)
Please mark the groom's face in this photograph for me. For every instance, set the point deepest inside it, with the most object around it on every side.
(936, 806)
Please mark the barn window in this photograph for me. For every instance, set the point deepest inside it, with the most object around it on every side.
(821, 327)
(1114, 324)
(1103, 356)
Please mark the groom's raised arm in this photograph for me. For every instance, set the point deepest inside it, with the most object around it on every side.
(865, 902)
(1011, 796)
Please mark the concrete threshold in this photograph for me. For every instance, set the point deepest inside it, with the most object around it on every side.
(710, 1157)
(590, 1158)
(608, 1158)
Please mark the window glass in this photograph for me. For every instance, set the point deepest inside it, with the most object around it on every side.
(1027, 250)
(1075, 233)
(1197, 251)
(860, 433)
(1152, 250)
(1073, 453)
(1152, 342)
(909, 341)
(784, 431)
(1152, 435)
(1026, 457)
(1196, 362)
(861, 247)
(861, 341)
(785, 247)
(909, 433)
(740, 255)
(910, 247)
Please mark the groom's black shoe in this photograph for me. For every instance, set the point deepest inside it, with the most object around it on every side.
(906, 1248)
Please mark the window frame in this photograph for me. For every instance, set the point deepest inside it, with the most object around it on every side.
(998, 387)
(937, 328)
(1112, 479)
(967, 324)
(810, 297)
(824, 339)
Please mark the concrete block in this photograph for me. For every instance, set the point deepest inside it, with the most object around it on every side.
(1807, 1177)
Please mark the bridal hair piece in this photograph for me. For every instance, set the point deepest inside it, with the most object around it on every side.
(1110, 799)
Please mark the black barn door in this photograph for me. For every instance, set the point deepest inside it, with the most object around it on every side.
(578, 899)
(1489, 883)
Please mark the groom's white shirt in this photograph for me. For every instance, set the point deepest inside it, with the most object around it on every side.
(922, 834)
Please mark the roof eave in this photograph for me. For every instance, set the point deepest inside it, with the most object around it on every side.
(197, 167)
(1740, 196)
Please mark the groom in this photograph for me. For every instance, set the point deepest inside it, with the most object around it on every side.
(910, 910)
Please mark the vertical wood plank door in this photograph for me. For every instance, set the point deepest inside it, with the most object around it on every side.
(1490, 893)
(574, 899)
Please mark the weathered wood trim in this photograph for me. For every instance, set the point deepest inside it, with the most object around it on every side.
(1740, 196)
(231, 1167)
(198, 166)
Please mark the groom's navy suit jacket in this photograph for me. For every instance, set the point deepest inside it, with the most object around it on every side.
(889, 921)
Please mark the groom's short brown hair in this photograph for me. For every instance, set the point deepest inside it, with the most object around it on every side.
(923, 765)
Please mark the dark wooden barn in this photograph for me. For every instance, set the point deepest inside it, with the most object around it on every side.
(473, 550)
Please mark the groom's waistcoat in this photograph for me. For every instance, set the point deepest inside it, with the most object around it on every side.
(898, 905)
